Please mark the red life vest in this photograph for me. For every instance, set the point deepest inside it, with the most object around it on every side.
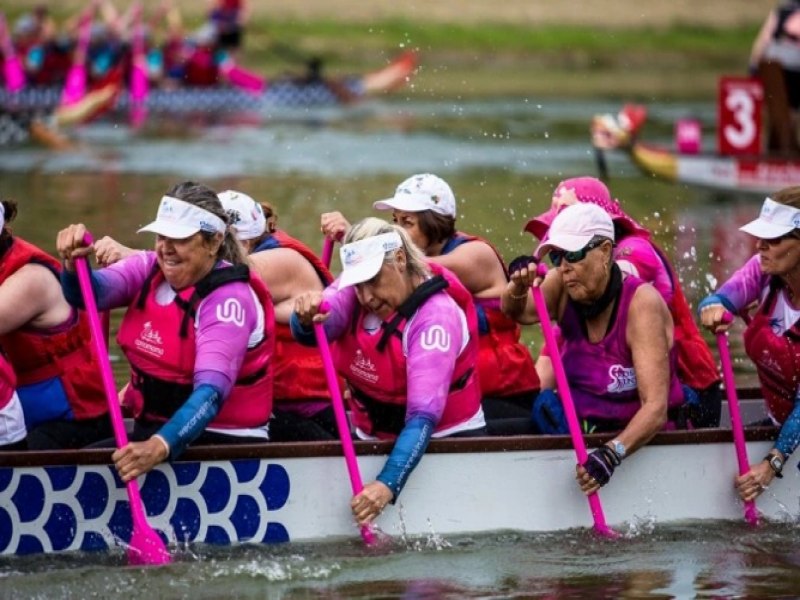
(37, 356)
(777, 357)
(159, 342)
(375, 365)
(299, 375)
(201, 67)
(696, 365)
(505, 365)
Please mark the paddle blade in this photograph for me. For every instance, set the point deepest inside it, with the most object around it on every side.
(14, 74)
(147, 547)
(75, 86)
(242, 78)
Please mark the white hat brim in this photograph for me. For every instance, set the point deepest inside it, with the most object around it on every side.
(569, 243)
(764, 230)
(175, 231)
(363, 271)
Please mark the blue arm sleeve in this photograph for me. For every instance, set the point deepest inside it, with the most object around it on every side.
(716, 299)
(407, 451)
(191, 419)
(789, 437)
(72, 289)
(301, 333)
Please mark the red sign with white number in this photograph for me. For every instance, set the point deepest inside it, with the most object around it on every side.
(739, 115)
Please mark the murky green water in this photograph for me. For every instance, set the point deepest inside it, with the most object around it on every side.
(503, 159)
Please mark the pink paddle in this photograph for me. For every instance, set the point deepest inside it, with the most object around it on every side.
(242, 78)
(139, 84)
(750, 511)
(12, 65)
(146, 547)
(341, 418)
(75, 84)
(327, 252)
(566, 400)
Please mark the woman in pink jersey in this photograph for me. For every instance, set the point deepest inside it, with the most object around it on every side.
(405, 336)
(617, 335)
(425, 206)
(637, 254)
(770, 280)
(198, 331)
(12, 420)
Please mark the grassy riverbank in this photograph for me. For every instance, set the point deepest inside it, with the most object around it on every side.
(471, 48)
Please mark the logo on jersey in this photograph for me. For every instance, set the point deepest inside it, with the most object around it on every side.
(231, 311)
(435, 338)
(363, 367)
(623, 379)
(149, 340)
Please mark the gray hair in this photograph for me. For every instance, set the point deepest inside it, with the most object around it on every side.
(372, 226)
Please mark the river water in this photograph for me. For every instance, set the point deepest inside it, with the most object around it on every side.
(503, 159)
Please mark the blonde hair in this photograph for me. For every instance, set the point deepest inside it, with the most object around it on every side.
(372, 226)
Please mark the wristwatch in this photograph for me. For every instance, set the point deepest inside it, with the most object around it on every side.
(619, 448)
(776, 464)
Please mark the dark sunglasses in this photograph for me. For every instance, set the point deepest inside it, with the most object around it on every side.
(556, 256)
(792, 235)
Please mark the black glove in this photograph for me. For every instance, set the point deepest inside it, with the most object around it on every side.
(526, 260)
(601, 463)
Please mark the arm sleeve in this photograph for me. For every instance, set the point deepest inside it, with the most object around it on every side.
(789, 436)
(407, 452)
(744, 286)
(113, 286)
(191, 419)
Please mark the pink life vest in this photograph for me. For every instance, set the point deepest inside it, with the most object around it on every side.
(375, 365)
(777, 357)
(159, 342)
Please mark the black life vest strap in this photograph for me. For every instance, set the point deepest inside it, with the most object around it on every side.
(418, 297)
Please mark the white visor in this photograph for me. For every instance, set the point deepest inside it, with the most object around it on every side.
(362, 260)
(775, 220)
(178, 220)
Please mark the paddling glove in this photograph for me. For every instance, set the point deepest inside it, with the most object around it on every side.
(601, 464)
(526, 260)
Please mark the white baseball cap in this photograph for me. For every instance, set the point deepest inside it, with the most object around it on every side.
(421, 192)
(362, 260)
(247, 216)
(179, 220)
(575, 226)
(775, 220)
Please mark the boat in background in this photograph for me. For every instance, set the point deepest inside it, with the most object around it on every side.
(738, 164)
(287, 492)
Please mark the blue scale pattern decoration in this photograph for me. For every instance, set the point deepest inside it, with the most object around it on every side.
(279, 93)
(53, 509)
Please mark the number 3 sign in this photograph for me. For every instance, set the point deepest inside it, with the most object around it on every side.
(739, 115)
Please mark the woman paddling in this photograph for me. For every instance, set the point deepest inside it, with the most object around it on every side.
(405, 336)
(617, 332)
(771, 279)
(198, 331)
(425, 207)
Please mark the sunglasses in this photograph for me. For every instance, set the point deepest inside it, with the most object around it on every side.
(556, 256)
(792, 235)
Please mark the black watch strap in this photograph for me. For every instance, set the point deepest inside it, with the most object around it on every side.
(775, 463)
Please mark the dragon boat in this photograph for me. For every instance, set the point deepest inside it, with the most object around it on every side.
(291, 492)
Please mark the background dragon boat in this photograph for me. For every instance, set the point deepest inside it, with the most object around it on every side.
(284, 492)
(738, 164)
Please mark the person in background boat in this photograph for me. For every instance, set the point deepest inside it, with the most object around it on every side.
(770, 279)
(228, 18)
(198, 331)
(775, 58)
(405, 340)
(424, 206)
(637, 254)
(45, 57)
(202, 58)
(618, 350)
(12, 418)
(47, 342)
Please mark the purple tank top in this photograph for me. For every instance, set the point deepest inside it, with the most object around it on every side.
(601, 375)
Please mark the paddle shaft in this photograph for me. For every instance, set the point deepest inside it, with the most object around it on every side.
(342, 423)
(75, 84)
(115, 413)
(327, 252)
(750, 512)
(12, 66)
(571, 415)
